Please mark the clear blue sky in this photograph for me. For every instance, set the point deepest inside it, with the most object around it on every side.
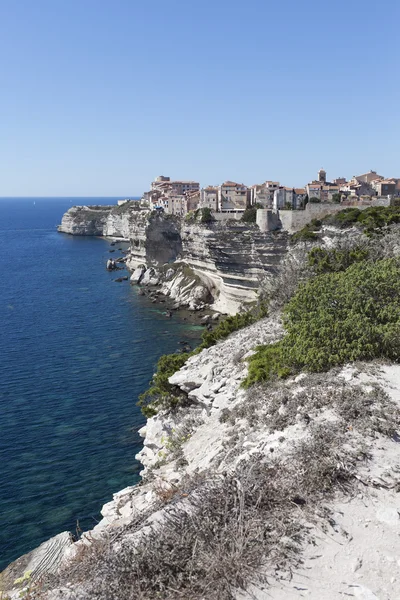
(97, 97)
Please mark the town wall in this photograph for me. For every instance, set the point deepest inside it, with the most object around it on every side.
(294, 220)
(268, 220)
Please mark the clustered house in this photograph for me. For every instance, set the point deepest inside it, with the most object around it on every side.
(230, 199)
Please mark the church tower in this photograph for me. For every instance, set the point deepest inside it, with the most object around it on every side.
(322, 176)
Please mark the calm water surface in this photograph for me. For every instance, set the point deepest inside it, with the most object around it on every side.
(76, 349)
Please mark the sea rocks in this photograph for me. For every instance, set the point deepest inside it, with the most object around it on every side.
(138, 273)
(111, 265)
(150, 277)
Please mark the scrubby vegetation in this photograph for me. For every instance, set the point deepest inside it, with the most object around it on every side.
(334, 318)
(280, 405)
(163, 395)
(323, 260)
(371, 220)
(250, 214)
(229, 325)
(308, 233)
(201, 215)
(218, 532)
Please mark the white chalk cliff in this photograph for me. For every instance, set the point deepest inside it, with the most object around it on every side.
(226, 259)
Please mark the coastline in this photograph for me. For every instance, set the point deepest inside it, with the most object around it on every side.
(318, 450)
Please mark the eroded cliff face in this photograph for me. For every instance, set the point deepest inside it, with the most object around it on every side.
(228, 258)
(108, 221)
(232, 438)
(232, 257)
(85, 220)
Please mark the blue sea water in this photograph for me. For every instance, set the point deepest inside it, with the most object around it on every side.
(76, 350)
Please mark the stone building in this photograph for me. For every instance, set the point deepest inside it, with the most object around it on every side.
(386, 187)
(263, 194)
(209, 198)
(233, 197)
(367, 177)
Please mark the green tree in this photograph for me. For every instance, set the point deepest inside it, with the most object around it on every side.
(206, 215)
(249, 215)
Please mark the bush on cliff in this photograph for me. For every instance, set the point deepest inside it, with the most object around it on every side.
(161, 394)
(229, 325)
(371, 220)
(201, 215)
(323, 260)
(335, 318)
(206, 215)
(250, 214)
(308, 233)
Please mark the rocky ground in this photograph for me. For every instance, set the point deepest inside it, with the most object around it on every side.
(288, 489)
(337, 538)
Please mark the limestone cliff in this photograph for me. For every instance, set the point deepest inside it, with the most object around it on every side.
(243, 453)
(271, 492)
(85, 220)
(226, 259)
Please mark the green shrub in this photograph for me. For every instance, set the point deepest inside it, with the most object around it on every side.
(308, 233)
(324, 260)
(304, 235)
(161, 393)
(372, 219)
(315, 200)
(249, 215)
(206, 215)
(336, 318)
(344, 218)
(226, 327)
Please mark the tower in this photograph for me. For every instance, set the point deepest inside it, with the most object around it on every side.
(322, 176)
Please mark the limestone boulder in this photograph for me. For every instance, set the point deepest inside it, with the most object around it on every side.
(138, 273)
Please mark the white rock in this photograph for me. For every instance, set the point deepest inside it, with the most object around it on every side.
(389, 515)
(150, 277)
(137, 274)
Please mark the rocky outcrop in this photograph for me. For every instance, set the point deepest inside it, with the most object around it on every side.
(85, 220)
(227, 259)
(183, 286)
(45, 559)
(109, 221)
(231, 258)
(224, 260)
(224, 426)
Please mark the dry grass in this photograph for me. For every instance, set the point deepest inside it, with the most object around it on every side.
(280, 405)
(219, 537)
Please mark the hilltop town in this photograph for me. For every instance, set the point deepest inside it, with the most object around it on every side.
(231, 199)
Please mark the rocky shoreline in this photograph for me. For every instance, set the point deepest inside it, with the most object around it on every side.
(225, 260)
(163, 287)
(309, 465)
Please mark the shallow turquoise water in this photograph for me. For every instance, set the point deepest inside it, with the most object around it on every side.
(76, 349)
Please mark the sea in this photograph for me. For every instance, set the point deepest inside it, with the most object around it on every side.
(76, 350)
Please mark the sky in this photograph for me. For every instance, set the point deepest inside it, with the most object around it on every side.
(98, 97)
